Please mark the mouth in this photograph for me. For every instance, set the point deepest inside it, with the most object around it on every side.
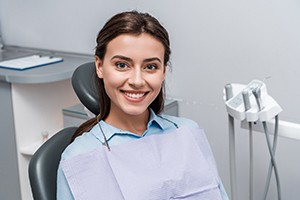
(134, 95)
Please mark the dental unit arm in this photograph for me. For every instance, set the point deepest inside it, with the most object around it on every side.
(251, 103)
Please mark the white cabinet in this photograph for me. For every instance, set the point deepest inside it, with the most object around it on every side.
(31, 102)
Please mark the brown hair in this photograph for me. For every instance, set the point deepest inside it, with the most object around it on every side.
(131, 22)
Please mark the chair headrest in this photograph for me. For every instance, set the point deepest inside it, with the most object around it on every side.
(83, 82)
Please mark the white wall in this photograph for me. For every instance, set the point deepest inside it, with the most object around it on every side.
(214, 42)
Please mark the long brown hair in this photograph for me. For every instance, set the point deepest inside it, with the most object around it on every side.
(131, 22)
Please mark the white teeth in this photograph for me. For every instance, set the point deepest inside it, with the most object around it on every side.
(134, 95)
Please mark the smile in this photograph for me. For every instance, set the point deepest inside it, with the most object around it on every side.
(135, 95)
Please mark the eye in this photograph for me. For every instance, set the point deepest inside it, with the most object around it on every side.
(121, 65)
(151, 67)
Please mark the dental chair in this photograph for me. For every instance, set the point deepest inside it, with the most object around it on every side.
(44, 163)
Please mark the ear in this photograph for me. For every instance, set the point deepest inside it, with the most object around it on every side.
(99, 67)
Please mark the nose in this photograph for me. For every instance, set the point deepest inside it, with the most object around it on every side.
(136, 78)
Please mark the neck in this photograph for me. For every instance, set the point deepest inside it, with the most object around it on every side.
(134, 123)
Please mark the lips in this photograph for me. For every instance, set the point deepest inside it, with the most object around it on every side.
(134, 95)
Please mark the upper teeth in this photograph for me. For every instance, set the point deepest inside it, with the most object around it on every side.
(134, 95)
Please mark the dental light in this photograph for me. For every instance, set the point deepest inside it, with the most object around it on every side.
(251, 103)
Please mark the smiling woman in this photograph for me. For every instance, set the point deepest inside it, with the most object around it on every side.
(131, 150)
(133, 73)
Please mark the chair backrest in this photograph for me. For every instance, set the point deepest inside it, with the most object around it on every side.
(83, 81)
(44, 163)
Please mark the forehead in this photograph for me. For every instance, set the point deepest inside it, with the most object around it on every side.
(135, 46)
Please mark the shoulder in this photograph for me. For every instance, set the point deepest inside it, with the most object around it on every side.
(84, 143)
(181, 121)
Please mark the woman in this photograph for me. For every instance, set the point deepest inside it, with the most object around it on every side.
(130, 150)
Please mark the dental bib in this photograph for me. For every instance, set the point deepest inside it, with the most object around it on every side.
(174, 165)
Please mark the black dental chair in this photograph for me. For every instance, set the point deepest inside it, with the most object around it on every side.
(44, 163)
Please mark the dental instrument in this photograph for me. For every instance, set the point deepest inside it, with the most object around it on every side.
(251, 103)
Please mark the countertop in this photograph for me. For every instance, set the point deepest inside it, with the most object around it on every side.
(44, 74)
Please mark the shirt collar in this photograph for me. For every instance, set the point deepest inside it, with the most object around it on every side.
(109, 131)
(160, 121)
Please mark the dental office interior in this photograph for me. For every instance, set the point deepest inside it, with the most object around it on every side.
(213, 43)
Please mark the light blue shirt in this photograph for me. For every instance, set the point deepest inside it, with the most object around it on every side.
(158, 124)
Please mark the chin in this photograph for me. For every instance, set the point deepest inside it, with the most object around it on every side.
(135, 112)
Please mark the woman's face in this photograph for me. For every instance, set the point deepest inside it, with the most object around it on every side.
(133, 72)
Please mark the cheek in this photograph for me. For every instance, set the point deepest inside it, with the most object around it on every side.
(109, 88)
(109, 83)
(112, 82)
(157, 82)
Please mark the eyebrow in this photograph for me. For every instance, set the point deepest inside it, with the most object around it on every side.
(130, 60)
(152, 59)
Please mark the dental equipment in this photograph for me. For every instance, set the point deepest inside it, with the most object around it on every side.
(251, 103)
(246, 98)
(229, 95)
